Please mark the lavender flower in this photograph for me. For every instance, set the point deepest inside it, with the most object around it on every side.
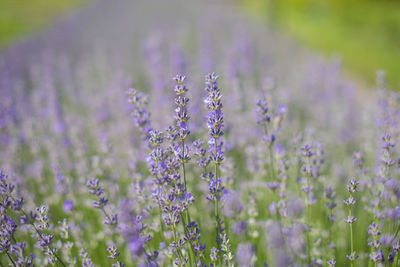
(330, 195)
(181, 101)
(101, 201)
(215, 119)
(140, 112)
(200, 153)
(215, 123)
(226, 249)
(114, 254)
(350, 202)
(214, 255)
(331, 263)
(86, 261)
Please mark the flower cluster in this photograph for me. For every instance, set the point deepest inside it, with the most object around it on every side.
(140, 112)
(181, 101)
(215, 118)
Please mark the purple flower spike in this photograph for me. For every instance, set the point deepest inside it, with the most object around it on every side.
(215, 119)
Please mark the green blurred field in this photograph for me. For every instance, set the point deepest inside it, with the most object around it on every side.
(19, 18)
(365, 33)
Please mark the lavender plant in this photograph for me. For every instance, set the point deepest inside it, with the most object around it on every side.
(350, 202)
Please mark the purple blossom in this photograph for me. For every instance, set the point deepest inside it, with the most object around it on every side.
(215, 120)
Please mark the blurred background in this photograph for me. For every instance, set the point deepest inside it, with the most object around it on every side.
(365, 34)
(19, 19)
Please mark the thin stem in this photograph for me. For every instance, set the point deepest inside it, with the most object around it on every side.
(183, 164)
(397, 231)
(10, 258)
(161, 223)
(107, 216)
(351, 236)
(187, 209)
(308, 210)
(216, 209)
(51, 249)
(184, 177)
(159, 204)
(268, 168)
(271, 161)
(331, 251)
(216, 219)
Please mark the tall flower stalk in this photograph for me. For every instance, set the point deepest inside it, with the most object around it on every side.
(350, 202)
(330, 196)
(264, 118)
(182, 150)
(307, 188)
(181, 122)
(215, 123)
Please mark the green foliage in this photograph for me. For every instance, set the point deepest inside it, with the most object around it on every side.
(365, 33)
(19, 18)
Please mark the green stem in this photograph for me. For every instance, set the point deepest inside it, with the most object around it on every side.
(159, 205)
(397, 231)
(271, 162)
(187, 210)
(268, 166)
(351, 237)
(9, 257)
(216, 206)
(106, 214)
(184, 178)
(308, 212)
(216, 219)
(161, 223)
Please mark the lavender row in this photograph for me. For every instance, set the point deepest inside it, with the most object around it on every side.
(277, 161)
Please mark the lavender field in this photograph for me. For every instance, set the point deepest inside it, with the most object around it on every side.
(172, 133)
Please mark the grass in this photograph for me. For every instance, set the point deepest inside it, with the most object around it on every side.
(20, 18)
(365, 33)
